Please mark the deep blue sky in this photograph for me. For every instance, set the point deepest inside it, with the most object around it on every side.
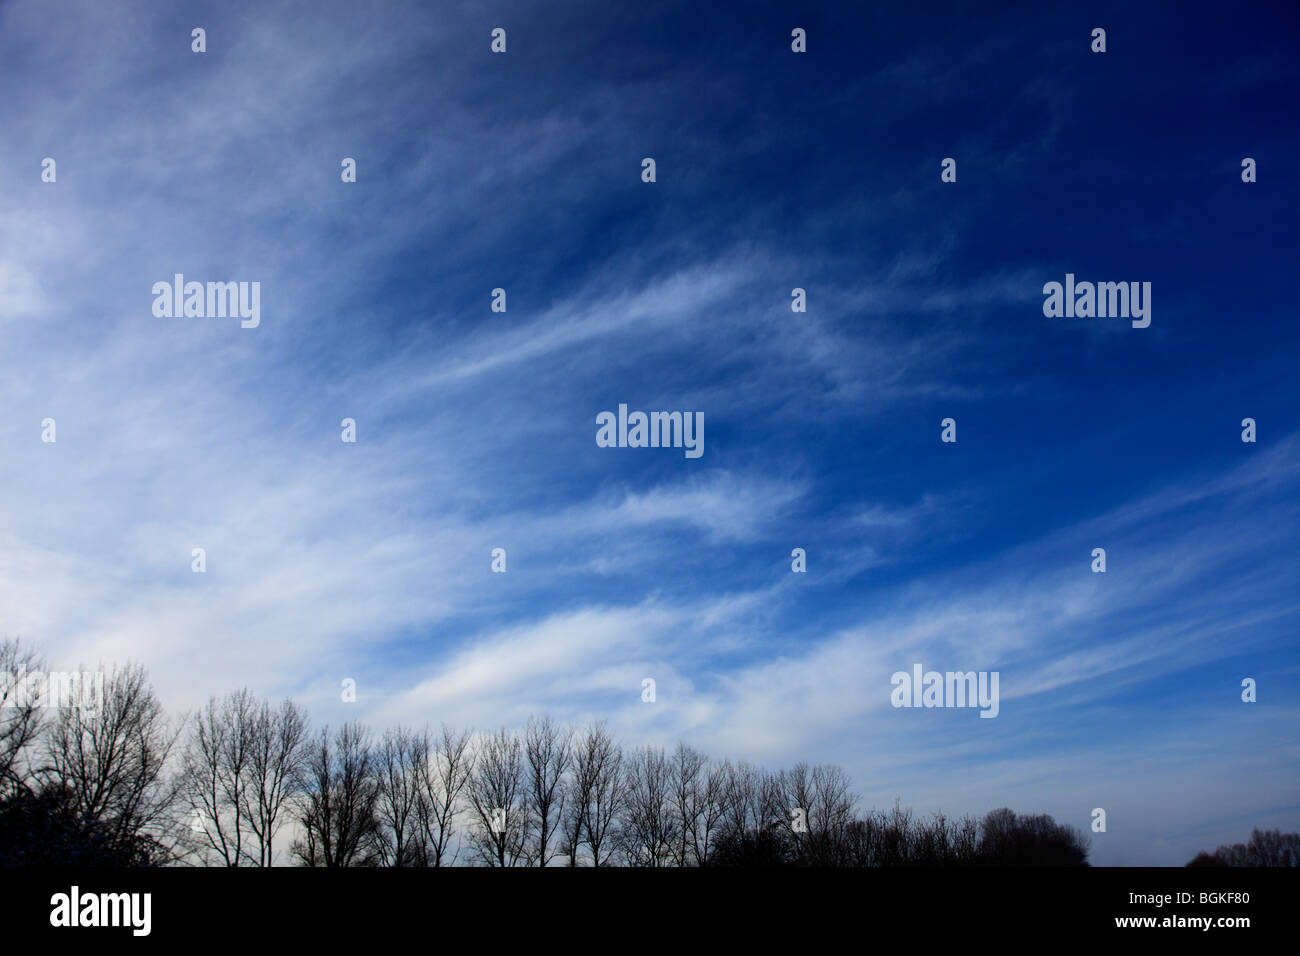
(476, 429)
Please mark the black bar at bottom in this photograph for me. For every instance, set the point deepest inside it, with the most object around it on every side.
(924, 905)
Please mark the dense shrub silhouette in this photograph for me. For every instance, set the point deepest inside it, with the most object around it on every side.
(44, 828)
(897, 838)
(756, 848)
(1010, 840)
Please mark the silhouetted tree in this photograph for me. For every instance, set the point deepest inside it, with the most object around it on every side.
(650, 829)
(238, 770)
(497, 792)
(754, 828)
(596, 797)
(547, 755)
(337, 810)
(696, 792)
(215, 773)
(401, 761)
(823, 794)
(110, 756)
(1266, 848)
(445, 777)
(275, 767)
(20, 712)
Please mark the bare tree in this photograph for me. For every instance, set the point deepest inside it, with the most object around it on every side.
(755, 825)
(650, 825)
(898, 838)
(689, 770)
(340, 792)
(951, 841)
(238, 772)
(275, 769)
(596, 797)
(402, 758)
(497, 794)
(711, 808)
(740, 800)
(895, 836)
(1266, 848)
(111, 754)
(445, 776)
(547, 752)
(20, 712)
(215, 771)
(1273, 848)
(823, 794)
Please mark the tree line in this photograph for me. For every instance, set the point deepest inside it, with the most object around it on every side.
(248, 782)
(1266, 848)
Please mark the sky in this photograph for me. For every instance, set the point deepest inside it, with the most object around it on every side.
(371, 560)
